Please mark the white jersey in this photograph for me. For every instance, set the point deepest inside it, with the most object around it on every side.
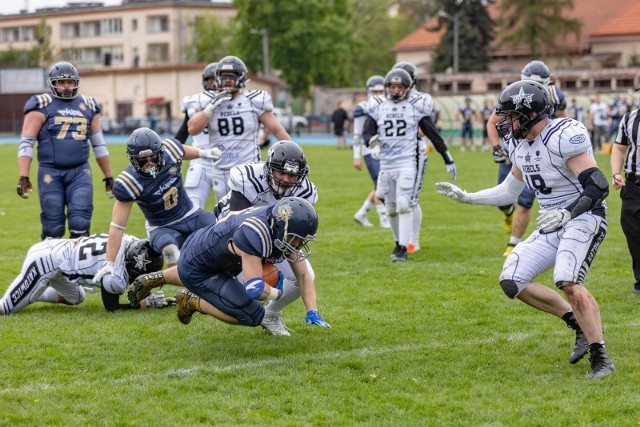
(543, 161)
(191, 105)
(250, 180)
(234, 127)
(398, 128)
(359, 117)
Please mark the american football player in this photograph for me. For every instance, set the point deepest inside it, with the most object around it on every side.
(233, 117)
(64, 124)
(57, 270)
(554, 158)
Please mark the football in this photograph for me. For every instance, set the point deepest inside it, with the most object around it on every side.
(270, 274)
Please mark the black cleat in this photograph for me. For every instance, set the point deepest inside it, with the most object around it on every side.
(400, 255)
(580, 348)
(601, 365)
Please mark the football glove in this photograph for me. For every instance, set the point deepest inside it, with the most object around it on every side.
(375, 152)
(500, 154)
(24, 187)
(107, 268)
(158, 300)
(451, 168)
(108, 186)
(211, 153)
(373, 142)
(450, 190)
(216, 101)
(314, 318)
(550, 221)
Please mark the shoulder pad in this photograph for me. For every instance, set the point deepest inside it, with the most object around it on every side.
(38, 102)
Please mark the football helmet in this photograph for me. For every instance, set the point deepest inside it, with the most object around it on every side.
(294, 223)
(63, 71)
(144, 150)
(375, 84)
(287, 158)
(140, 258)
(409, 68)
(518, 102)
(395, 77)
(536, 71)
(225, 71)
(209, 76)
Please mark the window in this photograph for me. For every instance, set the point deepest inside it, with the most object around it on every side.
(569, 84)
(70, 30)
(464, 86)
(494, 87)
(17, 34)
(158, 52)
(134, 25)
(92, 55)
(90, 29)
(111, 26)
(158, 24)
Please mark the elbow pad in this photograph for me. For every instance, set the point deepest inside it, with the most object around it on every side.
(595, 188)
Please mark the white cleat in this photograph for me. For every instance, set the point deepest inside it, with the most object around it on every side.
(361, 218)
(384, 221)
(274, 324)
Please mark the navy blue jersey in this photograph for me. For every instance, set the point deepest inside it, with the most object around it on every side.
(206, 252)
(162, 199)
(63, 140)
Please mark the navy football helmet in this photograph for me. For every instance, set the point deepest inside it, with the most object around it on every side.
(231, 73)
(209, 76)
(536, 71)
(519, 101)
(288, 158)
(397, 76)
(294, 223)
(375, 84)
(145, 152)
(409, 68)
(140, 258)
(64, 71)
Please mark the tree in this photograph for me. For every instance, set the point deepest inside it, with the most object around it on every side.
(475, 34)
(212, 39)
(540, 25)
(42, 34)
(309, 40)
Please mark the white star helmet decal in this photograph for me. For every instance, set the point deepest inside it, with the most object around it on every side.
(522, 99)
(141, 262)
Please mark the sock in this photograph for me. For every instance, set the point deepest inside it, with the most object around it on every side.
(514, 240)
(416, 212)
(381, 209)
(571, 320)
(290, 294)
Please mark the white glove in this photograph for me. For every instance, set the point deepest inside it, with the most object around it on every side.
(375, 152)
(211, 153)
(158, 300)
(549, 221)
(107, 268)
(374, 141)
(451, 168)
(216, 101)
(450, 190)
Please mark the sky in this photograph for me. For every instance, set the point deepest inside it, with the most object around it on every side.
(14, 6)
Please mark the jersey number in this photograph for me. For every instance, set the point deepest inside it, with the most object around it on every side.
(235, 126)
(170, 198)
(80, 123)
(536, 181)
(94, 248)
(400, 128)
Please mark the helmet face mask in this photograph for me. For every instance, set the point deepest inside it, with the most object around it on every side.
(525, 103)
(375, 86)
(285, 168)
(295, 222)
(140, 258)
(64, 72)
(231, 73)
(209, 77)
(144, 150)
(397, 84)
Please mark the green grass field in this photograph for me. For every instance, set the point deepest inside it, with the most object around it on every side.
(433, 341)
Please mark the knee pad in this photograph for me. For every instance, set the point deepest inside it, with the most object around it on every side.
(509, 287)
(171, 253)
(391, 209)
(404, 205)
(52, 216)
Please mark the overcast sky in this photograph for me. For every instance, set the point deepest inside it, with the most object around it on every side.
(14, 6)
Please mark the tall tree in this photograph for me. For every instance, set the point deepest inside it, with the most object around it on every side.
(212, 39)
(539, 25)
(309, 40)
(475, 34)
(43, 47)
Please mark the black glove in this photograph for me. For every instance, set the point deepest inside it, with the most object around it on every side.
(24, 187)
(108, 186)
(500, 154)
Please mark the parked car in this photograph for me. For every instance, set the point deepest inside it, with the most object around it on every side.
(110, 126)
(290, 121)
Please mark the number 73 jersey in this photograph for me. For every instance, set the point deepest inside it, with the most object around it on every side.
(543, 161)
(398, 127)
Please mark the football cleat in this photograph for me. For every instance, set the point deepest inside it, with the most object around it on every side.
(274, 324)
(580, 348)
(188, 304)
(142, 286)
(384, 221)
(396, 250)
(508, 249)
(361, 218)
(507, 222)
(401, 255)
(601, 365)
(413, 248)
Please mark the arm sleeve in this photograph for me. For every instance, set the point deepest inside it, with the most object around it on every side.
(369, 129)
(238, 202)
(502, 194)
(430, 131)
(183, 132)
(111, 301)
(99, 145)
(595, 188)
